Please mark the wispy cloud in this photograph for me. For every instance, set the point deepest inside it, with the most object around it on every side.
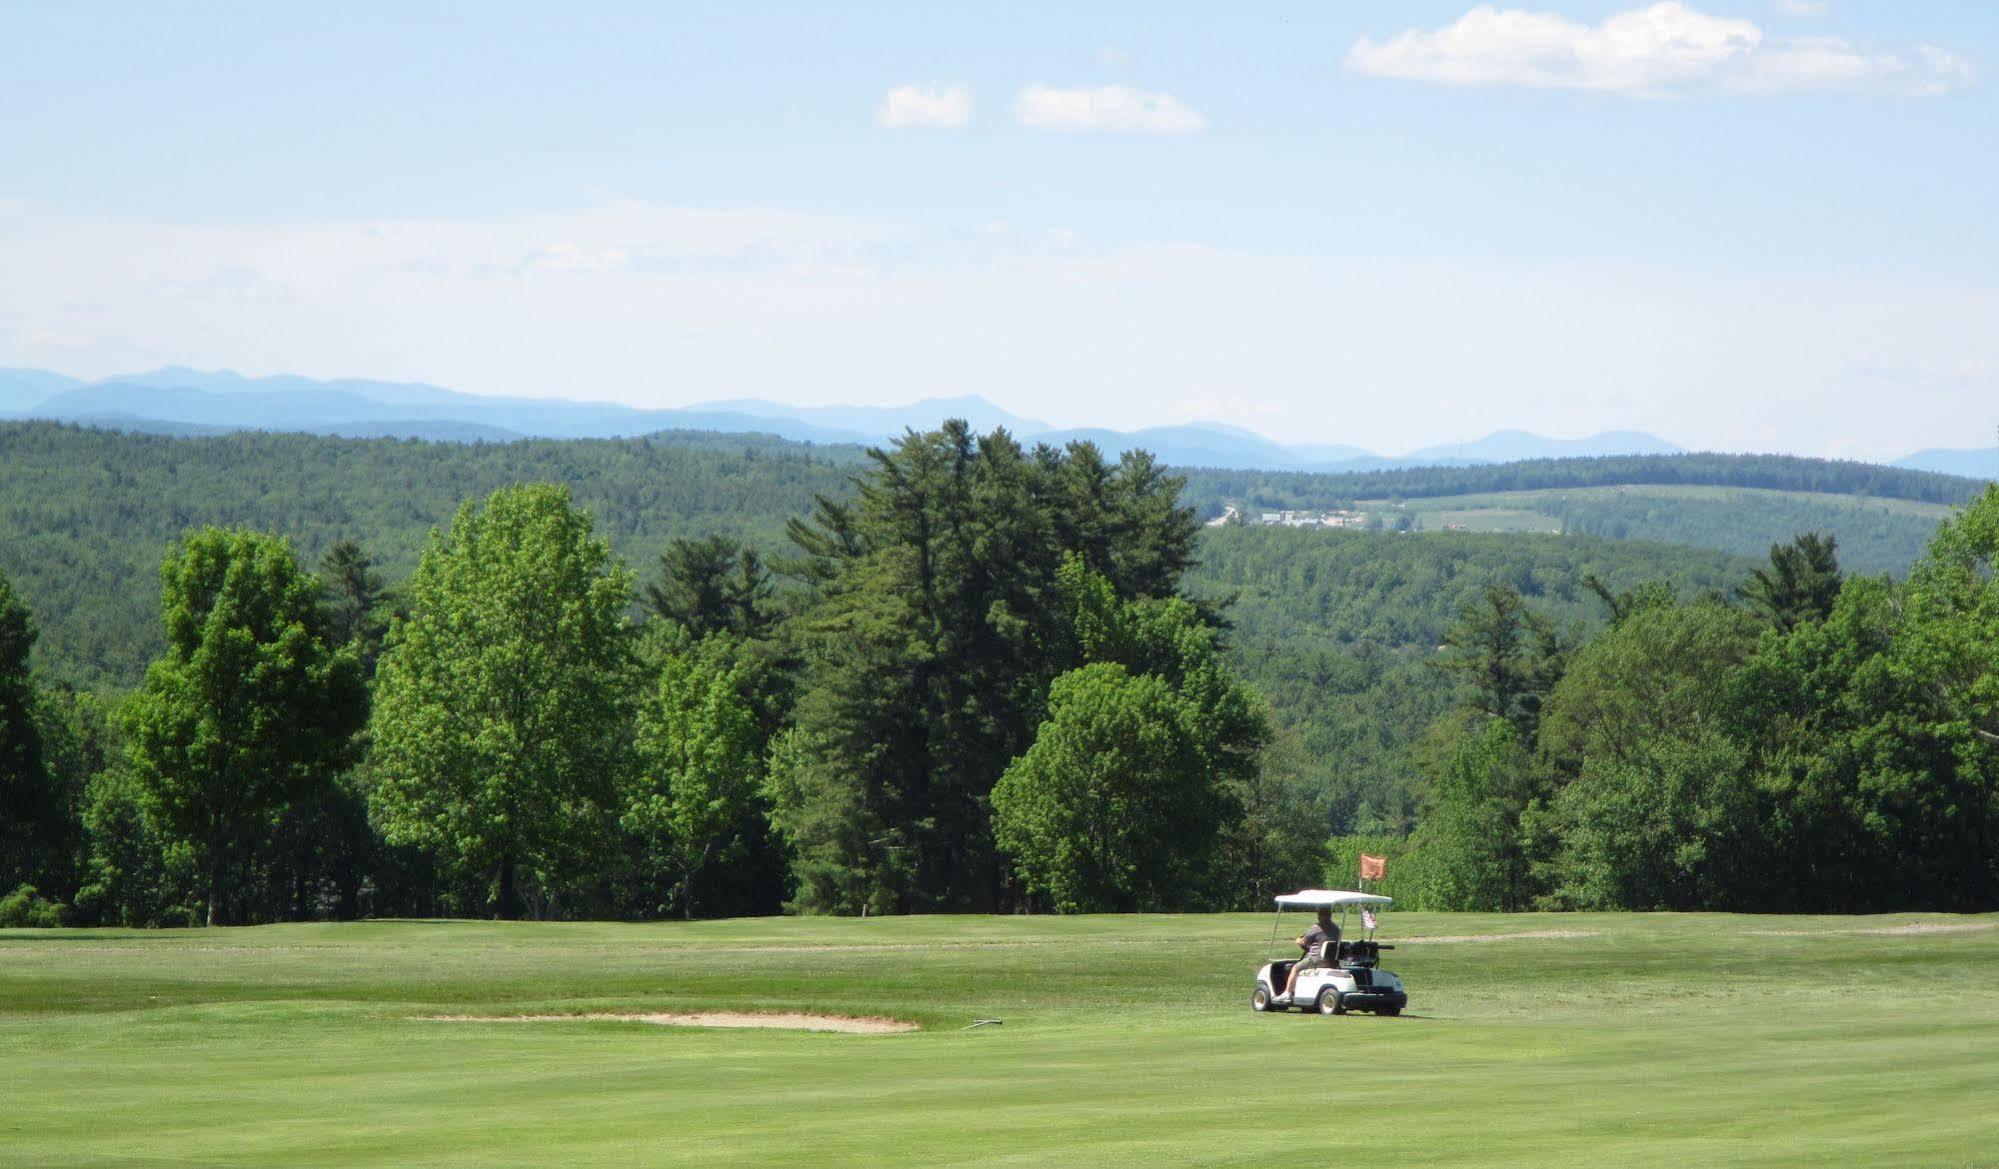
(929, 106)
(655, 305)
(1659, 51)
(1117, 109)
(1801, 8)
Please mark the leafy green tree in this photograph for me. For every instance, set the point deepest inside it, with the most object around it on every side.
(78, 741)
(1114, 773)
(1803, 703)
(1670, 824)
(1653, 806)
(138, 873)
(249, 709)
(1936, 797)
(1468, 848)
(694, 797)
(1800, 585)
(500, 708)
(1662, 670)
(1169, 639)
(1874, 736)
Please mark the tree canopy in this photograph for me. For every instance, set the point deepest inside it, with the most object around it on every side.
(500, 698)
(249, 708)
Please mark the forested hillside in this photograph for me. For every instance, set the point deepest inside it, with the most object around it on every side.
(1340, 632)
(86, 514)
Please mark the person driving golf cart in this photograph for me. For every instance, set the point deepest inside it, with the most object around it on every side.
(1321, 943)
(1334, 976)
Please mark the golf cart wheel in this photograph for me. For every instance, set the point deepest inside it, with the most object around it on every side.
(1329, 1002)
(1259, 999)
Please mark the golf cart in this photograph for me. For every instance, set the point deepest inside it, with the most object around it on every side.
(1348, 977)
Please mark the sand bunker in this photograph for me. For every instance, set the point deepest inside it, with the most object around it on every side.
(1497, 937)
(790, 1022)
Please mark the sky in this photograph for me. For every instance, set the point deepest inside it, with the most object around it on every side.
(1756, 225)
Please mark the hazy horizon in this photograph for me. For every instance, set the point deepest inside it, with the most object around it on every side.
(1749, 226)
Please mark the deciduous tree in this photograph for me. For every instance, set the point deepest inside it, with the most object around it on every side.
(500, 707)
(694, 795)
(249, 708)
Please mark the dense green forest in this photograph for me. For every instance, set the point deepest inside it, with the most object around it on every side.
(1828, 744)
(1340, 630)
(86, 514)
(707, 675)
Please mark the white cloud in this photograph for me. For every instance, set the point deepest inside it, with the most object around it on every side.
(1109, 108)
(1113, 58)
(1801, 9)
(930, 106)
(568, 257)
(1658, 51)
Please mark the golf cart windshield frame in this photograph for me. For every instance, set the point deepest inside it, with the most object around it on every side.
(1340, 899)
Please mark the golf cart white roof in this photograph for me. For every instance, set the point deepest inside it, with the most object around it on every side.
(1330, 899)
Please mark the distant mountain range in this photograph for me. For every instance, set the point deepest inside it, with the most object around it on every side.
(176, 400)
(1972, 464)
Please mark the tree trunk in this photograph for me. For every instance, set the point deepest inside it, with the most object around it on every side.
(214, 884)
(509, 907)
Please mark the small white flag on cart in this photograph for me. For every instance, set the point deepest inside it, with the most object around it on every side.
(1367, 918)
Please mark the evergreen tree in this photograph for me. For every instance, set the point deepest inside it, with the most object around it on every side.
(935, 635)
(356, 601)
(1800, 585)
(713, 585)
(1510, 654)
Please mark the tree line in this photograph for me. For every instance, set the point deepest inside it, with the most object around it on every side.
(982, 677)
(982, 690)
(1811, 742)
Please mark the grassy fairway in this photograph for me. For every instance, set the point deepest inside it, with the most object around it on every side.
(1653, 1040)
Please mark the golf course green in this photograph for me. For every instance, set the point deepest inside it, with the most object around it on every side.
(1531, 1039)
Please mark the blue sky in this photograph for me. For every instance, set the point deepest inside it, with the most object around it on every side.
(1757, 225)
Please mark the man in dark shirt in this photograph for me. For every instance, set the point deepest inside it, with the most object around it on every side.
(1321, 944)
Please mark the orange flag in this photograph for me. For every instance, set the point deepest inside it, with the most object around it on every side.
(1372, 868)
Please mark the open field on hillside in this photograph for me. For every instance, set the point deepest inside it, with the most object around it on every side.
(1630, 1040)
(1530, 501)
(1875, 534)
